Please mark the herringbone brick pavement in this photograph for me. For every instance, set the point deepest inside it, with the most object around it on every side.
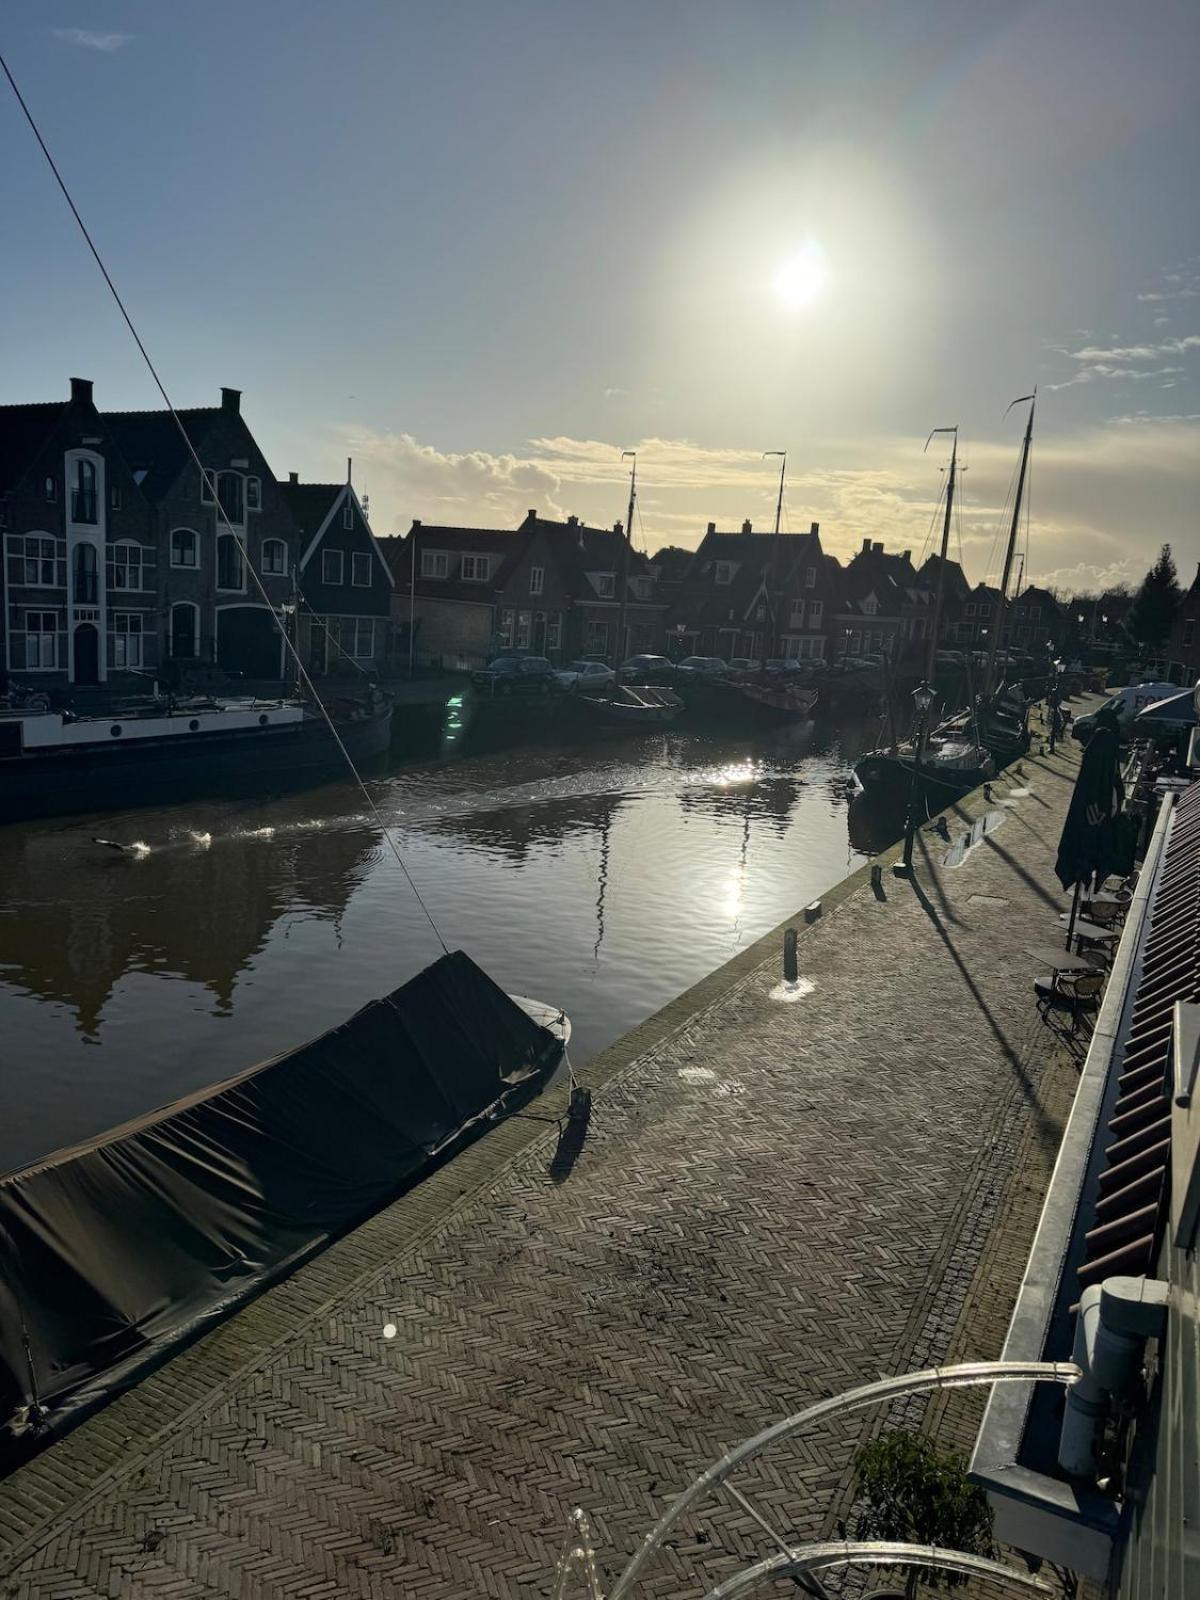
(774, 1202)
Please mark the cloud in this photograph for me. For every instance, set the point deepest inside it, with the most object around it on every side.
(1162, 322)
(467, 487)
(1138, 352)
(106, 43)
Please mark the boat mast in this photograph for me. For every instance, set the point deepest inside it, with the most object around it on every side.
(773, 640)
(941, 577)
(989, 677)
(622, 615)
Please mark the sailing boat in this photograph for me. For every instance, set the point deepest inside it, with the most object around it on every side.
(777, 698)
(951, 761)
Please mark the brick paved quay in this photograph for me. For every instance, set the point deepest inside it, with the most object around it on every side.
(774, 1202)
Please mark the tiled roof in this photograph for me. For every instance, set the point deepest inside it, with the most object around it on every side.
(1125, 1228)
(24, 430)
(151, 443)
(502, 542)
(704, 602)
(309, 503)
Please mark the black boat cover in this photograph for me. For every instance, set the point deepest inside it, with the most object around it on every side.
(114, 1251)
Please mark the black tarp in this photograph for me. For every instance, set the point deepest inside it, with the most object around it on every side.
(1092, 843)
(114, 1251)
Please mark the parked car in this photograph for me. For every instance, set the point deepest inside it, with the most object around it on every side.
(585, 677)
(512, 674)
(702, 667)
(646, 669)
(951, 659)
(1126, 703)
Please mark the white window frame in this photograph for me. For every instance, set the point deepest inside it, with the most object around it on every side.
(207, 491)
(796, 619)
(125, 637)
(870, 606)
(480, 568)
(340, 557)
(348, 514)
(606, 585)
(524, 628)
(357, 558)
(361, 623)
(554, 630)
(723, 573)
(435, 564)
(41, 634)
(223, 588)
(641, 587)
(252, 496)
(114, 497)
(185, 566)
(223, 517)
(537, 580)
(126, 545)
(51, 489)
(810, 577)
(39, 560)
(595, 636)
(504, 632)
(281, 570)
(195, 610)
(816, 609)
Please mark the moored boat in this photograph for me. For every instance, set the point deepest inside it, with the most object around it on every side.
(632, 705)
(54, 763)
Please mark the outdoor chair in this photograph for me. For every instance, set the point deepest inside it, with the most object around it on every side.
(1079, 990)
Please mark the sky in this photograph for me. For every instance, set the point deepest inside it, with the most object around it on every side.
(482, 248)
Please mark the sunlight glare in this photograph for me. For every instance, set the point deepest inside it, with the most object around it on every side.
(801, 279)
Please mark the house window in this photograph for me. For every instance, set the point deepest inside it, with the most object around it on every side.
(348, 513)
(184, 548)
(641, 588)
(537, 579)
(356, 636)
(595, 638)
(126, 561)
(815, 609)
(797, 618)
(40, 564)
(231, 487)
(724, 572)
(127, 640)
(85, 581)
(970, 608)
(114, 497)
(41, 641)
(360, 569)
(870, 606)
(554, 630)
(434, 563)
(207, 478)
(253, 494)
(51, 490)
(331, 566)
(523, 623)
(185, 625)
(504, 637)
(83, 495)
(1035, 613)
(274, 557)
(231, 569)
(810, 577)
(606, 585)
(985, 611)
(475, 569)
(1189, 633)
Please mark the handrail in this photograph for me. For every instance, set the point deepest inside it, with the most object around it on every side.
(877, 1553)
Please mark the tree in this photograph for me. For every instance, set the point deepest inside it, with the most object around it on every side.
(1153, 610)
(914, 1493)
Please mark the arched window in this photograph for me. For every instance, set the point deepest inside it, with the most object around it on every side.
(231, 494)
(185, 630)
(231, 570)
(83, 495)
(125, 561)
(274, 556)
(185, 548)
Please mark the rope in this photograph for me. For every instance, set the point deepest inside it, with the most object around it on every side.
(208, 478)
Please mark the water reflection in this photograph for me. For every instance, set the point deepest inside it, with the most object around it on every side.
(874, 823)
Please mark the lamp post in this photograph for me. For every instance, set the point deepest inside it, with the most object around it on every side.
(1052, 702)
(922, 700)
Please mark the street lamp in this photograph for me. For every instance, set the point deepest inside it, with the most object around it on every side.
(922, 700)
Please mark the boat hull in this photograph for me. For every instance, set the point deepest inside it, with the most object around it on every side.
(890, 777)
(247, 761)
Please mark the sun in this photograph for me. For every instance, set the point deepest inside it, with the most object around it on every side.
(802, 278)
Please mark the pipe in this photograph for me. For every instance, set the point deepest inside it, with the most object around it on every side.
(1114, 1321)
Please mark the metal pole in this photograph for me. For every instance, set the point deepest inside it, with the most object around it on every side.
(620, 652)
(910, 827)
(990, 676)
(1074, 914)
(412, 606)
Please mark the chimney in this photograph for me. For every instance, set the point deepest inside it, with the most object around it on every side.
(866, 549)
(81, 389)
(293, 477)
(531, 514)
(416, 523)
(572, 522)
(712, 527)
(231, 400)
(746, 528)
(878, 547)
(617, 528)
(907, 556)
(814, 529)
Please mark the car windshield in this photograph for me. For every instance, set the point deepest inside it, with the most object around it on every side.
(504, 664)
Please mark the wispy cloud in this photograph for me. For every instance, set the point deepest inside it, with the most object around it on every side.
(1138, 352)
(85, 39)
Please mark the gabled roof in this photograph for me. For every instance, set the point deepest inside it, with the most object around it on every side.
(24, 429)
(313, 507)
(503, 543)
(579, 550)
(954, 585)
(152, 445)
(707, 603)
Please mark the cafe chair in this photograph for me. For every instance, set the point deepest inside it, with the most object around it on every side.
(1079, 990)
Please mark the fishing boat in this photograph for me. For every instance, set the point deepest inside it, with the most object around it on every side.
(631, 705)
(121, 1249)
(792, 702)
(151, 752)
(953, 760)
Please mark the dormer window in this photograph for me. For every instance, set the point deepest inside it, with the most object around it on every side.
(870, 606)
(435, 563)
(724, 572)
(641, 588)
(475, 569)
(606, 584)
(51, 490)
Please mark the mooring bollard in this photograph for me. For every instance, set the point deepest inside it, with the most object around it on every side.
(877, 877)
(791, 967)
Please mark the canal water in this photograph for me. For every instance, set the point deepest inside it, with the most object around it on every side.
(604, 876)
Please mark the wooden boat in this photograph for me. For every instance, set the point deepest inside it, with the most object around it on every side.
(632, 705)
(53, 763)
(782, 700)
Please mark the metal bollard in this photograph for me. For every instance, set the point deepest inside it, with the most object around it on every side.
(791, 967)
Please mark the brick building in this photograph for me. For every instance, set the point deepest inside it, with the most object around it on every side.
(344, 583)
(745, 593)
(1183, 647)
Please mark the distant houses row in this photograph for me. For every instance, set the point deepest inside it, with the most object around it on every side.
(117, 561)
